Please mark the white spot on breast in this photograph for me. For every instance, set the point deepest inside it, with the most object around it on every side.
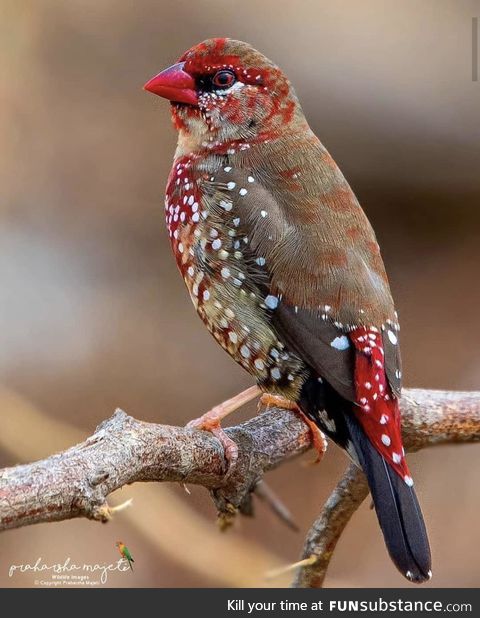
(216, 244)
(243, 192)
(225, 272)
(180, 247)
(244, 351)
(340, 343)
(275, 373)
(227, 169)
(259, 364)
(233, 336)
(226, 205)
(260, 261)
(236, 222)
(386, 440)
(392, 336)
(231, 186)
(271, 301)
(408, 480)
(396, 458)
(251, 179)
(195, 217)
(206, 295)
(263, 213)
(383, 419)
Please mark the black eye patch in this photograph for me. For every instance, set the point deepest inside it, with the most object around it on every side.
(221, 80)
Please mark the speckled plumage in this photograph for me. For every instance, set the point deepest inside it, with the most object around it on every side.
(283, 266)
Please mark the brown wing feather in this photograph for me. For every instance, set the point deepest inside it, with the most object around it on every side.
(319, 255)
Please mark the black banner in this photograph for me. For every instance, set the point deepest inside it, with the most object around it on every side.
(261, 603)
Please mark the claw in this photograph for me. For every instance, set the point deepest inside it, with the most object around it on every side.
(319, 439)
(210, 421)
(230, 448)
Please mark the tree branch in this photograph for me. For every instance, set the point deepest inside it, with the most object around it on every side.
(123, 450)
(76, 482)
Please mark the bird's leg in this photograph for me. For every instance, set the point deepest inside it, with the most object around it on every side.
(211, 421)
(319, 439)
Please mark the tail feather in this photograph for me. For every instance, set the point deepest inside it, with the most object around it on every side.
(397, 509)
(395, 502)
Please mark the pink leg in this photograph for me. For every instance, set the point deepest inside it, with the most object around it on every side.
(319, 440)
(210, 421)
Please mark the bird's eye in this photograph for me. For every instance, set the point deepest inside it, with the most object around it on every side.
(224, 79)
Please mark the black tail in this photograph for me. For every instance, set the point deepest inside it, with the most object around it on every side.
(397, 509)
(395, 502)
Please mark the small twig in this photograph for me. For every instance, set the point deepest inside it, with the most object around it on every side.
(325, 532)
(265, 493)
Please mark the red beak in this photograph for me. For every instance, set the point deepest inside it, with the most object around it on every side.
(174, 84)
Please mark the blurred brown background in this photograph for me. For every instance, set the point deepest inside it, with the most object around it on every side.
(93, 314)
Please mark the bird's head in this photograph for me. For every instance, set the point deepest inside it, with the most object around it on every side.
(224, 91)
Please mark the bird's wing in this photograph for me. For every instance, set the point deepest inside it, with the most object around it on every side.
(328, 280)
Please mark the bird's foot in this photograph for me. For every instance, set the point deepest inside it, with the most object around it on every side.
(211, 421)
(319, 439)
(212, 424)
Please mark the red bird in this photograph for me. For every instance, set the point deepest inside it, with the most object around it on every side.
(284, 269)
